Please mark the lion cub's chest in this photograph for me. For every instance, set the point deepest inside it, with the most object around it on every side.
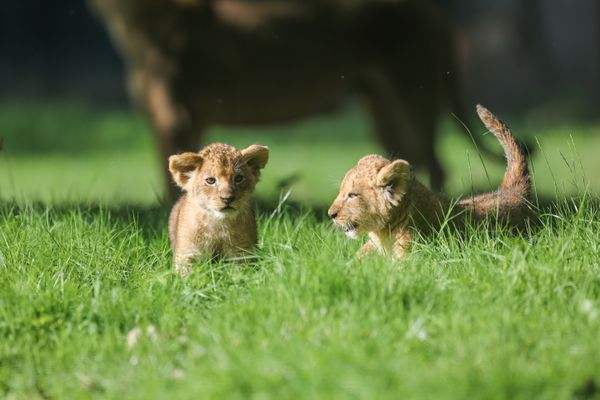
(199, 233)
(221, 237)
(383, 243)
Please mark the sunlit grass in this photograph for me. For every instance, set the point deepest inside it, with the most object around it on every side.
(72, 153)
(478, 316)
(89, 307)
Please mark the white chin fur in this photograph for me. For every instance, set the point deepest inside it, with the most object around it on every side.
(352, 234)
(218, 214)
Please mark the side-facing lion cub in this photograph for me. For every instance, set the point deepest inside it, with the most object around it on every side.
(382, 198)
(214, 217)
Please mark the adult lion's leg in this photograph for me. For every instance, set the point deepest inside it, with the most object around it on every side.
(392, 122)
(178, 139)
(406, 114)
(425, 118)
(175, 128)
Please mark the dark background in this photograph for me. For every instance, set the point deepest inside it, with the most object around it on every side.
(515, 55)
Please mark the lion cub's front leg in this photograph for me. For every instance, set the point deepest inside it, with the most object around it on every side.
(183, 267)
(366, 249)
(402, 243)
(183, 262)
(185, 254)
(396, 244)
(398, 249)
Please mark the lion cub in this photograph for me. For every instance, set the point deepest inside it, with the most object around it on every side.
(214, 216)
(383, 199)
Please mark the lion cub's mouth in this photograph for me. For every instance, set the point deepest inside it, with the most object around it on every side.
(224, 212)
(350, 229)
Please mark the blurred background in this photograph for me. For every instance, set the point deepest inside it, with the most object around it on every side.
(71, 133)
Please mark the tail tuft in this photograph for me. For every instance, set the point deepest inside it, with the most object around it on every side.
(486, 115)
(517, 174)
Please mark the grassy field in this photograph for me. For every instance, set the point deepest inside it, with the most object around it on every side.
(71, 154)
(89, 307)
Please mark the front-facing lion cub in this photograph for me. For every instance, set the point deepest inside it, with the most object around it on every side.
(214, 217)
(382, 198)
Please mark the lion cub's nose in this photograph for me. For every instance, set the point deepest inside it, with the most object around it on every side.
(227, 199)
(332, 214)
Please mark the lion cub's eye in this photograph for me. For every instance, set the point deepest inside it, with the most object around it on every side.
(211, 180)
(238, 178)
(352, 195)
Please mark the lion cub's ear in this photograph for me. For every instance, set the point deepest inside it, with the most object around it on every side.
(396, 174)
(183, 166)
(256, 156)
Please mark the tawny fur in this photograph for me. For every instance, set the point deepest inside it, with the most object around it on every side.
(383, 199)
(214, 217)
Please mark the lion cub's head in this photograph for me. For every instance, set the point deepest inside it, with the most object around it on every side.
(219, 178)
(369, 193)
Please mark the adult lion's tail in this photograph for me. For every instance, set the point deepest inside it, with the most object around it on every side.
(512, 196)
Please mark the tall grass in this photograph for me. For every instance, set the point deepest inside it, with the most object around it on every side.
(485, 316)
(90, 308)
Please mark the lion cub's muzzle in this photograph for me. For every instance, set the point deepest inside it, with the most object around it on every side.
(227, 203)
(349, 228)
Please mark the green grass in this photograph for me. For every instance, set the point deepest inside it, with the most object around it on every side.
(73, 154)
(85, 260)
